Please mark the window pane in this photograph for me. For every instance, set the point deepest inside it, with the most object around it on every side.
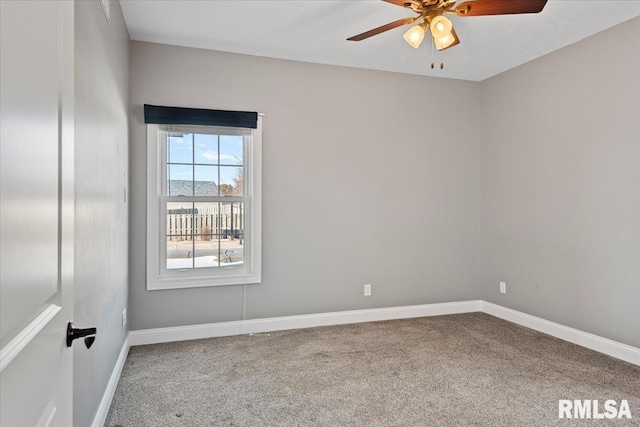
(180, 148)
(207, 251)
(232, 251)
(179, 252)
(179, 234)
(206, 218)
(231, 151)
(179, 180)
(205, 181)
(206, 147)
(207, 229)
(232, 243)
(231, 181)
(179, 219)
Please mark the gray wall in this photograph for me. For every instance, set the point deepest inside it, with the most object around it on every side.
(101, 140)
(365, 180)
(561, 186)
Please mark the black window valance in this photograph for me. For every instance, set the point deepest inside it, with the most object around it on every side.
(199, 116)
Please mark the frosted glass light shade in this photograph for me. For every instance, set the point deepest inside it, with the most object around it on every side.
(446, 41)
(414, 36)
(440, 27)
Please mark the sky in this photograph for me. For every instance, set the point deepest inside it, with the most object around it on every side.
(212, 154)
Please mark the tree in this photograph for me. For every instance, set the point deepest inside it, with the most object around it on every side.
(226, 190)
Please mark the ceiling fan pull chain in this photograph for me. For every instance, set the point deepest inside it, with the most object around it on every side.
(440, 60)
(432, 63)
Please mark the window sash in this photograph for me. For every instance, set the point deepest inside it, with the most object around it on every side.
(165, 272)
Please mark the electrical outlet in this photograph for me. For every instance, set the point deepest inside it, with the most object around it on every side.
(124, 318)
(367, 290)
(503, 287)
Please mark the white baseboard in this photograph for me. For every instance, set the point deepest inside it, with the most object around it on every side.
(594, 342)
(182, 333)
(222, 329)
(107, 397)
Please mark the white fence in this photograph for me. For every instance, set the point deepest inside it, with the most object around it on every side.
(211, 222)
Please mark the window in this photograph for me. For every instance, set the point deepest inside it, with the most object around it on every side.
(203, 205)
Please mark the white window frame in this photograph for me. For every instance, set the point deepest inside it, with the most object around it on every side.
(158, 276)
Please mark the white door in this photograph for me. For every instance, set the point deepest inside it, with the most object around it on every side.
(36, 212)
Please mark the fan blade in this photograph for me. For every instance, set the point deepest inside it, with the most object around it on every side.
(499, 7)
(400, 3)
(376, 31)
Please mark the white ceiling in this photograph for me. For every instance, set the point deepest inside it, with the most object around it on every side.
(316, 31)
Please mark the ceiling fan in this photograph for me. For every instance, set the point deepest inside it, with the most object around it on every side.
(431, 13)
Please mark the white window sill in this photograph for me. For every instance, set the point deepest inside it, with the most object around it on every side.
(156, 284)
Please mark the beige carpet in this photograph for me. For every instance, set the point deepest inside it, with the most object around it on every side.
(459, 370)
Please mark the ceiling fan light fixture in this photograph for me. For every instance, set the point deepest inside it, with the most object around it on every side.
(446, 41)
(414, 36)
